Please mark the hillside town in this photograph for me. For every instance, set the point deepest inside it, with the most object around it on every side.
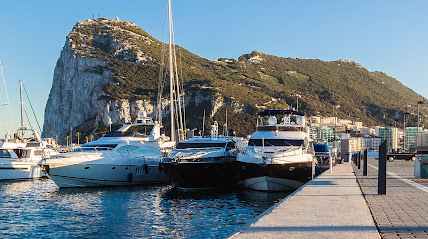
(354, 136)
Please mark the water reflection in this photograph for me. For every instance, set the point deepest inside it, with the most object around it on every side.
(40, 209)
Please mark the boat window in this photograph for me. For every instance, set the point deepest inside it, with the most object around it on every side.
(33, 144)
(200, 145)
(141, 130)
(119, 134)
(38, 152)
(4, 153)
(90, 147)
(18, 152)
(276, 142)
(230, 146)
(127, 148)
(148, 153)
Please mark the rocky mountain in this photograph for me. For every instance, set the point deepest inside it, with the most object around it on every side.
(109, 70)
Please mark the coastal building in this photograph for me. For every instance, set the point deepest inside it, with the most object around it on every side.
(358, 124)
(370, 142)
(314, 132)
(326, 133)
(315, 120)
(390, 135)
(348, 146)
(344, 121)
(365, 131)
(423, 138)
(410, 137)
(329, 121)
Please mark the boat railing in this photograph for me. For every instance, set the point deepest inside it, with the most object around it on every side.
(268, 151)
(92, 150)
(201, 152)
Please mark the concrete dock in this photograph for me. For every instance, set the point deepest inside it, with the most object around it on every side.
(330, 206)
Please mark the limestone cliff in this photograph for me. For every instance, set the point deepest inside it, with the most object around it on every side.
(78, 86)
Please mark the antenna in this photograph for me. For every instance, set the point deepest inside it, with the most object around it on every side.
(226, 133)
(203, 124)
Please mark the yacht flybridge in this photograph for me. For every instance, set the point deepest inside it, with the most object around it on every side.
(203, 162)
(278, 154)
(128, 156)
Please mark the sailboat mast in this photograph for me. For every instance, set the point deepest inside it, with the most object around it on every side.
(8, 103)
(171, 73)
(22, 108)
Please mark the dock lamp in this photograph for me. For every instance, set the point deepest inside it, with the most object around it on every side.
(404, 130)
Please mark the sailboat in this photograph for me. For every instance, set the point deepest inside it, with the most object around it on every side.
(19, 156)
(128, 156)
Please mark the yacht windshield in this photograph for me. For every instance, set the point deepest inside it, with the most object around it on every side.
(4, 153)
(98, 147)
(119, 134)
(200, 145)
(276, 142)
(141, 130)
(133, 131)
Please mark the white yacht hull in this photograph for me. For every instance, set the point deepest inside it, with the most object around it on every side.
(96, 175)
(291, 173)
(20, 170)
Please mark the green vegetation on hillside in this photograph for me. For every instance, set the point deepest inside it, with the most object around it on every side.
(256, 80)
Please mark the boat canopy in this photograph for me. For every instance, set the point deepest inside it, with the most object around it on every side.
(279, 112)
(321, 148)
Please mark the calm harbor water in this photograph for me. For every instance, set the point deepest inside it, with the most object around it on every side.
(38, 209)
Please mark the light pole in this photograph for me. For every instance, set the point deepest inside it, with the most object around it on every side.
(417, 130)
(404, 131)
(297, 97)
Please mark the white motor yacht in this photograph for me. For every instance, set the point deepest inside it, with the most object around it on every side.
(203, 162)
(278, 154)
(19, 158)
(128, 156)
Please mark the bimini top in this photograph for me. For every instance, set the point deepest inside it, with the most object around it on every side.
(279, 112)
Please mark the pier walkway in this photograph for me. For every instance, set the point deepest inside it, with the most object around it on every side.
(403, 211)
(330, 206)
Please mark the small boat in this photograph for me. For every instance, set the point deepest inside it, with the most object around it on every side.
(203, 162)
(278, 154)
(128, 156)
(19, 158)
(323, 155)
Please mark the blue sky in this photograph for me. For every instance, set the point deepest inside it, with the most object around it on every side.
(391, 36)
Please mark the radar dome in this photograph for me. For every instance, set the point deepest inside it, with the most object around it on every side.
(272, 120)
(301, 120)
